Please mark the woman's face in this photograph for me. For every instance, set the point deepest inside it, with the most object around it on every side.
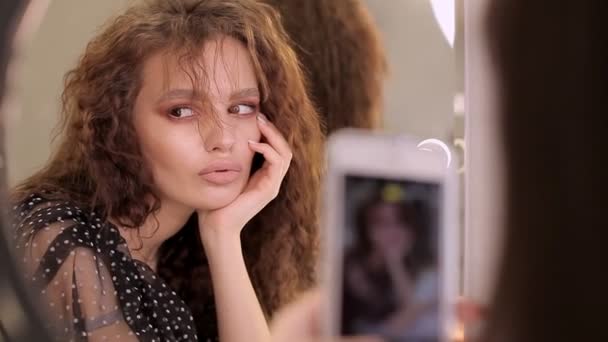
(199, 154)
(387, 229)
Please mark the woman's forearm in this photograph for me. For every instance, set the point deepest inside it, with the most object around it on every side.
(240, 316)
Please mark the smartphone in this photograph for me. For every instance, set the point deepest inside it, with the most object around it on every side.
(390, 253)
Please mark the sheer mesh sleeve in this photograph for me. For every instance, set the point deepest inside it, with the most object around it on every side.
(90, 285)
(71, 274)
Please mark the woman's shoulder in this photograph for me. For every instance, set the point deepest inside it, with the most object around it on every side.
(45, 207)
(50, 218)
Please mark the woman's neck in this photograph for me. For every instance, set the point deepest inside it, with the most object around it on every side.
(144, 243)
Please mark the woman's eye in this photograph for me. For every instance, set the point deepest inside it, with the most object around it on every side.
(242, 109)
(181, 112)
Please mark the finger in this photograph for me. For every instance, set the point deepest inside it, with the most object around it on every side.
(469, 312)
(300, 321)
(271, 156)
(274, 137)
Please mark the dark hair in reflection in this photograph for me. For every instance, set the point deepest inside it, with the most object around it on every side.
(552, 65)
(340, 50)
(99, 165)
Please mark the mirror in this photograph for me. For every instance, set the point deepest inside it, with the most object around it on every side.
(421, 83)
(425, 89)
(424, 74)
(423, 93)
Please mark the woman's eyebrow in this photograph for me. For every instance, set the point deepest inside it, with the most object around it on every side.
(179, 93)
(247, 92)
(192, 94)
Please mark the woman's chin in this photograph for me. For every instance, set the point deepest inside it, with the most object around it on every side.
(216, 200)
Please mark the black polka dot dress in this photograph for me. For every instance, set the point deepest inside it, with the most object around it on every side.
(91, 287)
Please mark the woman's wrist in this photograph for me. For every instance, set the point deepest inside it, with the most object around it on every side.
(220, 241)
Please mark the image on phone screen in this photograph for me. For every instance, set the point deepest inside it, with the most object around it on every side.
(390, 285)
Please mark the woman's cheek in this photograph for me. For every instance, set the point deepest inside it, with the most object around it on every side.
(248, 130)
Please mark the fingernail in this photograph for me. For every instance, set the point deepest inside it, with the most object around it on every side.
(253, 142)
(262, 118)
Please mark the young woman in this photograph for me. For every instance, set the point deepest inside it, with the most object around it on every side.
(185, 185)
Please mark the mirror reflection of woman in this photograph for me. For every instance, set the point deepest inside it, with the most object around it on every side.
(181, 200)
(390, 279)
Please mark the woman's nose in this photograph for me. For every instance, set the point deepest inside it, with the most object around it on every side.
(219, 137)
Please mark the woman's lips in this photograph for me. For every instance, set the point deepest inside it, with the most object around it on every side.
(221, 172)
(221, 177)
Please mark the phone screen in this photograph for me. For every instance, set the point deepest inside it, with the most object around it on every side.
(391, 273)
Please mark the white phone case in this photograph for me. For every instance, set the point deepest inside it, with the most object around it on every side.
(378, 155)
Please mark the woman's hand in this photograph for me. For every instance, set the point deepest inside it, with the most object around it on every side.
(239, 314)
(301, 322)
(263, 186)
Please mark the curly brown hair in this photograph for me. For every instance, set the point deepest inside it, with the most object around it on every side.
(99, 154)
(342, 55)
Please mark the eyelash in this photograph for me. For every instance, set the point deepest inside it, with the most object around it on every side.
(253, 106)
(176, 108)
